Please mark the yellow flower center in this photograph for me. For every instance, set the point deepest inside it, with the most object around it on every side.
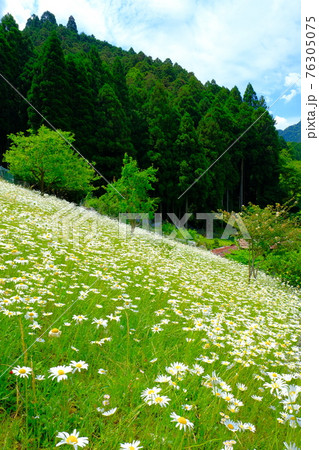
(61, 372)
(230, 426)
(72, 440)
(54, 330)
(159, 399)
(131, 448)
(78, 365)
(182, 420)
(22, 371)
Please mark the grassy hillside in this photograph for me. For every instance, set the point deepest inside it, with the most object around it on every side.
(145, 326)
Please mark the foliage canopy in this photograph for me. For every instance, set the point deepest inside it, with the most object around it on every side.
(46, 160)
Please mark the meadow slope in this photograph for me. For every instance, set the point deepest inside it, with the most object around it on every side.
(130, 338)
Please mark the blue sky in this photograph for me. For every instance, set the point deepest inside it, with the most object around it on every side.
(231, 41)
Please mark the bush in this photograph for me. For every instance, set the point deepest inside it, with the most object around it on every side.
(285, 265)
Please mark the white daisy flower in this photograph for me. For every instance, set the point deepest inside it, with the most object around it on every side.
(163, 379)
(31, 315)
(156, 329)
(22, 372)
(241, 387)
(231, 425)
(187, 407)
(109, 412)
(79, 318)
(197, 369)
(181, 422)
(148, 394)
(135, 445)
(40, 377)
(35, 325)
(59, 372)
(98, 322)
(72, 439)
(228, 445)
(78, 366)
(291, 446)
(159, 400)
(55, 332)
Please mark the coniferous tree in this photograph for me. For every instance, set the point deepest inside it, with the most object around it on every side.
(120, 83)
(82, 104)
(190, 163)
(112, 133)
(15, 53)
(48, 18)
(250, 96)
(49, 92)
(163, 121)
(33, 22)
(71, 25)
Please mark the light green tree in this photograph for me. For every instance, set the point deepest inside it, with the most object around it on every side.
(46, 161)
(130, 193)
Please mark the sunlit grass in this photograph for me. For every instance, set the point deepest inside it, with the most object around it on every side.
(164, 303)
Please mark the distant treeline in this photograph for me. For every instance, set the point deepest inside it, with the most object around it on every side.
(118, 102)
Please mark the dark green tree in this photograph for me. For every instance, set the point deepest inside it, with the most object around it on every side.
(163, 122)
(250, 96)
(33, 22)
(112, 133)
(82, 103)
(15, 53)
(71, 25)
(48, 19)
(49, 92)
(190, 162)
(120, 83)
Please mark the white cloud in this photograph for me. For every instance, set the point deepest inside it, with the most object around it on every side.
(231, 41)
(290, 96)
(293, 78)
(282, 122)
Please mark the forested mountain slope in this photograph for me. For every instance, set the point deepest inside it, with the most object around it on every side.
(118, 101)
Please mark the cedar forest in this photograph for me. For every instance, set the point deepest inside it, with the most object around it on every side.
(117, 102)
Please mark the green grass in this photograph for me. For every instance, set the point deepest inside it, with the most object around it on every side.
(207, 312)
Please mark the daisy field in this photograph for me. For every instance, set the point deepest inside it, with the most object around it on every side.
(115, 340)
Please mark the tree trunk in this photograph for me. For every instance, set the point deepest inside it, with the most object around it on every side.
(241, 193)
